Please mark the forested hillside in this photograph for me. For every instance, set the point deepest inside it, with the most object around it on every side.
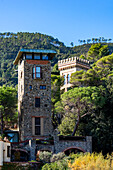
(10, 43)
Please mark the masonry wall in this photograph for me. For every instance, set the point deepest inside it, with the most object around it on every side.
(26, 98)
(20, 97)
(61, 146)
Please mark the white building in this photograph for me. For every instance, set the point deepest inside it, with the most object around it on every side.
(69, 66)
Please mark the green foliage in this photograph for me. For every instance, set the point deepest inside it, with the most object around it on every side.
(96, 51)
(94, 98)
(98, 75)
(59, 165)
(45, 156)
(10, 45)
(56, 82)
(8, 106)
(58, 156)
(99, 124)
(92, 161)
(55, 69)
(15, 166)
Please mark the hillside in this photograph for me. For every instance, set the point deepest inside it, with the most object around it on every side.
(10, 43)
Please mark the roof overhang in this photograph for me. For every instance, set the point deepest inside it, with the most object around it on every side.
(51, 52)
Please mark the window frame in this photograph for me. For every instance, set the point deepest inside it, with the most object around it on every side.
(68, 78)
(36, 55)
(8, 151)
(37, 103)
(42, 87)
(45, 56)
(64, 79)
(38, 125)
(29, 58)
(41, 125)
(34, 72)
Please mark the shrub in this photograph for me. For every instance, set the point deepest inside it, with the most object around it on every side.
(57, 157)
(59, 165)
(45, 156)
(92, 161)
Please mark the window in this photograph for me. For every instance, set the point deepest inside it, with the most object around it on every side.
(28, 56)
(36, 72)
(8, 151)
(64, 79)
(42, 87)
(44, 57)
(36, 56)
(37, 102)
(68, 79)
(30, 87)
(37, 126)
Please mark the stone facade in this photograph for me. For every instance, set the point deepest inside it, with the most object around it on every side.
(26, 98)
(69, 66)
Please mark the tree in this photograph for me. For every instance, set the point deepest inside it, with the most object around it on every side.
(76, 104)
(55, 70)
(56, 82)
(109, 39)
(88, 41)
(98, 75)
(72, 44)
(96, 51)
(8, 106)
(93, 39)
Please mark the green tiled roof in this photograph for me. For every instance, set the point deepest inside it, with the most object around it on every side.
(51, 52)
(37, 51)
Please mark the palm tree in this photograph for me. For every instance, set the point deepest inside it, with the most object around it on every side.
(93, 39)
(84, 41)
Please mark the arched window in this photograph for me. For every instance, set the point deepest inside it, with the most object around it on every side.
(64, 79)
(68, 79)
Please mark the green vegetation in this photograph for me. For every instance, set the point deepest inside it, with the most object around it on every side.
(82, 161)
(92, 161)
(76, 104)
(11, 43)
(8, 106)
(88, 110)
(82, 110)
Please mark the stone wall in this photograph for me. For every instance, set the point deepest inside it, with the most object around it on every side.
(26, 102)
(61, 146)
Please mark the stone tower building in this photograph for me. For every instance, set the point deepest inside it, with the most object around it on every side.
(34, 106)
(69, 66)
(34, 92)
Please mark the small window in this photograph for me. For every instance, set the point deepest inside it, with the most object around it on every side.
(36, 56)
(30, 87)
(42, 87)
(28, 56)
(44, 57)
(64, 79)
(37, 102)
(36, 72)
(37, 126)
(8, 151)
(68, 79)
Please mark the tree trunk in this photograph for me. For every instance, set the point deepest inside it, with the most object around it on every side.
(76, 126)
(2, 124)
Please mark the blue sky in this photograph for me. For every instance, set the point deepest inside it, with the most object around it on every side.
(67, 20)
